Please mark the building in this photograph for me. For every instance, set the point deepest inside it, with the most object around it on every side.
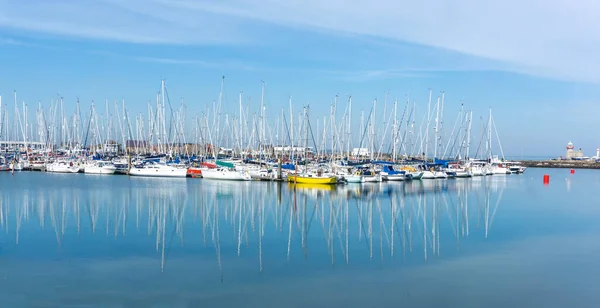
(12, 146)
(360, 152)
(289, 149)
(571, 153)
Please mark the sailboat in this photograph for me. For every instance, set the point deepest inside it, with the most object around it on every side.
(458, 171)
(357, 177)
(158, 169)
(497, 164)
(478, 168)
(312, 178)
(225, 174)
(99, 167)
(391, 174)
(63, 166)
(3, 165)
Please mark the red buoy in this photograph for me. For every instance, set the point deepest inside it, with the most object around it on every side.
(572, 171)
(546, 178)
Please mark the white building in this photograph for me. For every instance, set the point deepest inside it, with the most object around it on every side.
(289, 149)
(360, 152)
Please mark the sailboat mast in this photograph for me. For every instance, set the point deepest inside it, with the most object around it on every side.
(437, 115)
(306, 140)
(333, 127)
(26, 127)
(362, 120)
(16, 118)
(348, 126)
(441, 119)
(261, 134)
(373, 129)
(490, 134)
(427, 129)
(292, 131)
(395, 132)
(217, 114)
(470, 121)
(241, 113)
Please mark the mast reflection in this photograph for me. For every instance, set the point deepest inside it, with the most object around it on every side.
(371, 219)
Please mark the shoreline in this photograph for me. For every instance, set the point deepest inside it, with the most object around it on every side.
(571, 164)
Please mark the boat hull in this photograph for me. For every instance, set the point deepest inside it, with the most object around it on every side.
(462, 174)
(225, 175)
(312, 180)
(167, 173)
(355, 179)
(16, 167)
(396, 177)
(372, 179)
(61, 169)
(194, 172)
(428, 175)
(416, 175)
(100, 170)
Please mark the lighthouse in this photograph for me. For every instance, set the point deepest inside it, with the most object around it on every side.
(572, 154)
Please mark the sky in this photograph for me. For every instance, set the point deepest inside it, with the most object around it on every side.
(534, 63)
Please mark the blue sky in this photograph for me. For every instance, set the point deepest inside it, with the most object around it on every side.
(535, 64)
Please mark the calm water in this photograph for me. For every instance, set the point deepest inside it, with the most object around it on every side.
(114, 241)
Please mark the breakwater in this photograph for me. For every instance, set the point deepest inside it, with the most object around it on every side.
(573, 164)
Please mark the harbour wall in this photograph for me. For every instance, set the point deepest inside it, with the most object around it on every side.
(572, 164)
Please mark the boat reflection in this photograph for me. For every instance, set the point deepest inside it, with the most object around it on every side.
(351, 220)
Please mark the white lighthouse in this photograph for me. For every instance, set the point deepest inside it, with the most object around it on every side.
(572, 154)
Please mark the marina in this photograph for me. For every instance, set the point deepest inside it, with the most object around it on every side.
(249, 145)
(299, 154)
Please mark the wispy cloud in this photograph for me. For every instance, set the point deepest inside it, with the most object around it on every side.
(14, 42)
(218, 64)
(537, 37)
(10, 41)
(375, 74)
(132, 21)
(208, 64)
(412, 72)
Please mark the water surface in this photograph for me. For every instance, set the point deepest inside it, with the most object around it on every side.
(76, 240)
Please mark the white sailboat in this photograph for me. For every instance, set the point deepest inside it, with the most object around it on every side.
(99, 167)
(63, 166)
(428, 174)
(498, 166)
(478, 168)
(3, 165)
(355, 178)
(261, 174)
(458, 171)
(225, 174)
(16, 166)
(158, 170)
(373, 178)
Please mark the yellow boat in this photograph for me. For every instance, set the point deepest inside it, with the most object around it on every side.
(309, 179)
